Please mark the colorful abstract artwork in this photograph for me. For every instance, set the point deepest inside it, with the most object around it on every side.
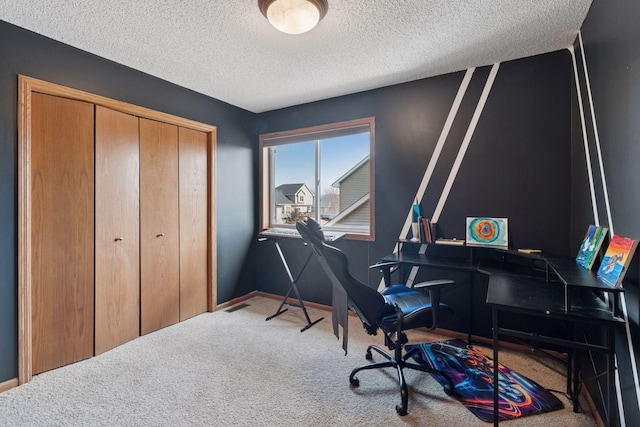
(616, 260)
(472, 375)
(591, 246)
(483, 231)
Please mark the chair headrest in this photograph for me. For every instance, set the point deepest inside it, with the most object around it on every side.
(309, 228)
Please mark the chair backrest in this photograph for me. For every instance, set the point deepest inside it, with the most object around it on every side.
(364, 300)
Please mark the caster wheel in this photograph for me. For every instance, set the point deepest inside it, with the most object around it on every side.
(368, 356)
(401, 411)
(354, 381)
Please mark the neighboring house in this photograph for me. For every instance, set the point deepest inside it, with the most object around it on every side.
(354, 197)
(329, 205)
(289, 197)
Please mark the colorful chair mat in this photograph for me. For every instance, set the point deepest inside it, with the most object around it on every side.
(472, 375)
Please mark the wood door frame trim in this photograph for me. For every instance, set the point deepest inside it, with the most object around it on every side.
(28, 85)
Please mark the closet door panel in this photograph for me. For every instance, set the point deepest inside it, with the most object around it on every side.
(159, 226)
(62, 226)
(193, 222)
(117, 282)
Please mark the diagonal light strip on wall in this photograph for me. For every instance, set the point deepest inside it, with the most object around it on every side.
(623, 300)
(587, 154)
(438, 150)
(461, 153)
(465, 142)
(434, 158)
(596, 134)
(632, 356)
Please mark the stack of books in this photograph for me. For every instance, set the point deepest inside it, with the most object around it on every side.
(427, 230)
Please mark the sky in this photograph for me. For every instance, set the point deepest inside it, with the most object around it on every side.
(295, 162)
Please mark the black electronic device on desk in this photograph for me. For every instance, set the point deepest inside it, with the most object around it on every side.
(274, 234)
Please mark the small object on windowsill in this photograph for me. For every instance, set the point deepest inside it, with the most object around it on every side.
(530, 251)
(456, 242)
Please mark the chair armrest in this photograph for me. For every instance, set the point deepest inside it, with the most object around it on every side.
(386, 268)
(434, 286)
(385, 264)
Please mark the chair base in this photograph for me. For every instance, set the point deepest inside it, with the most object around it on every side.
(399, 362)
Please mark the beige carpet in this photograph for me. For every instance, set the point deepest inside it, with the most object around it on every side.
(236, 369)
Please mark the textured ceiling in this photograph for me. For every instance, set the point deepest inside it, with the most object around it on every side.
(226, 49)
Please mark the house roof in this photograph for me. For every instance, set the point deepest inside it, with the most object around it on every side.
(285, 193)
(350, 171)
(345, 213)
(290, 189)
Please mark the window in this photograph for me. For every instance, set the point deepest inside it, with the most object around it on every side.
(324, 172)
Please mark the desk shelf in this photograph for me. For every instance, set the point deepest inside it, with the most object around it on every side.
(563, 271)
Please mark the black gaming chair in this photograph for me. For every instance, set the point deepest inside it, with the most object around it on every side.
(393, 310)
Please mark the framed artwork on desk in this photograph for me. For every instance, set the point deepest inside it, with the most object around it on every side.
(590, 246)
(616, 260)
(486, 231)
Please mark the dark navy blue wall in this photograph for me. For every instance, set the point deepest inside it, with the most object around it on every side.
(526, 161)
(611, 51)
(23, 52)
(516, 165)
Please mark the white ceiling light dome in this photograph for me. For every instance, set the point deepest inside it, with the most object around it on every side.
(293, 16)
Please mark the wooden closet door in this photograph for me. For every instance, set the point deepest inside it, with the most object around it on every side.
(193, 222)
(117, 281)
(62, 224)
(159, 238)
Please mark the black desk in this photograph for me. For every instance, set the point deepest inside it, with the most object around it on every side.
(573, 304)
(431, 261)
(274, 234)
(537, 286)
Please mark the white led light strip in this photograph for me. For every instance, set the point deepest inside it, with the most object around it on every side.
(435, 156)
(623, 301)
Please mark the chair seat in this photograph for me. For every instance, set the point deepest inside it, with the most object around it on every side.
(415, 306)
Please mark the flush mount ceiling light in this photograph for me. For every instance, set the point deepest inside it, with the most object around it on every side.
(293, 16)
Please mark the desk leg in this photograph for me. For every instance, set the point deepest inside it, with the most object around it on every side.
(471, 287)
(576, 380)
(569, 361)
(611, 372)
(293, 288)
(494, 320)
(576, 385)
